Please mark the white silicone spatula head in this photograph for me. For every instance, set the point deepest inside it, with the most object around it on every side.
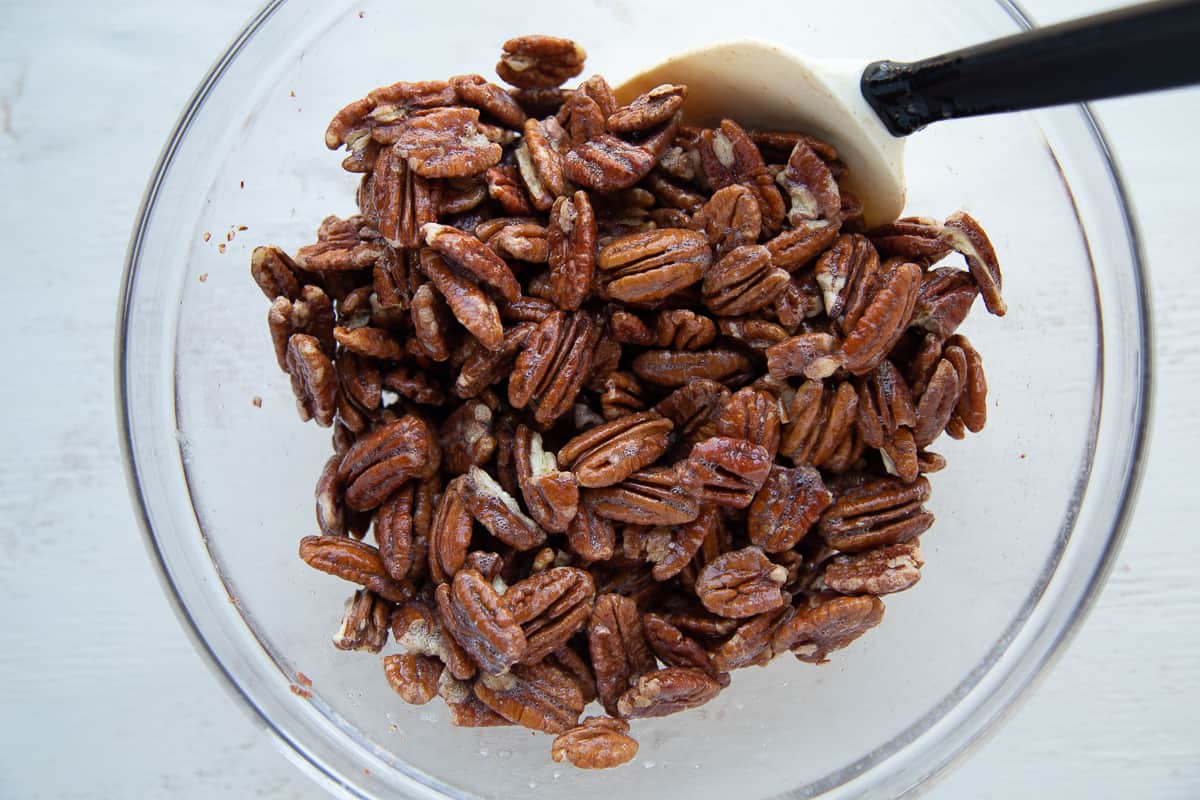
(765, 86)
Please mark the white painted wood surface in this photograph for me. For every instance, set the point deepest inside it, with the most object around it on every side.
(102, 695)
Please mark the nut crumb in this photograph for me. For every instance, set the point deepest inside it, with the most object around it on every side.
(243, 228)
(300, 691)
(303, 680)
(204, 277)
(257, 401)
(241, 184)
(207, 236)
(291, 93)
(362, 14)
(221, 247)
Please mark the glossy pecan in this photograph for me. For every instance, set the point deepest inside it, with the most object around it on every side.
(468, 303)
(540, 62)
(742, 583)
(645, 268)
(310, 313)
(676, 649)
(621, 394)
(342, 244)
(572, 254)
(813, 355)
(536, 696)
(728, 156)
(473, 256)
(551, 495)
(478, 620)
(314, 381)
(848, 274)
(619, 651)
(505, 187)
(785, 509)
(972, 400)
(743, 281)
(397, 201)
(876, 332)
(450, 533)
(498, 511)
(369, 342)
(832, 624)
(591, 536)
(394, 531)
(331, 513)
(884, 570)
(414, 384)
(466, 437)
(750, 644)
(683, 329)
(384, 106)
(885, 404)
(757, 334)
(943, 301)
(477, 91)
(967, 236)
(598, 743)
(380, 462)
(675, 198)
(653, 496)
(550, 607)
(821, 416)
(465, 709)
(937, 404)
(810, 186)
(365, 624)
(751, 414)
(413, 677)
(611, 452)
(650, 108)
(694, 408)
(671, 368)
(443, 143)
(353, 561)
(796, 247)
(607, 163)
(567, 659)
(878, 512)
(912, 237)
(553, 365)
(483, 367)
(275, 273)
(540, 161)
(418, 628)
(527, 309)
(729, 471)
(667, 691)
(730, 219)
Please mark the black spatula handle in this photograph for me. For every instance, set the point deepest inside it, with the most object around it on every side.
(1137, 49)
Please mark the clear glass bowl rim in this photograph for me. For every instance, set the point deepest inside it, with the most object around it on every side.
(981, 723)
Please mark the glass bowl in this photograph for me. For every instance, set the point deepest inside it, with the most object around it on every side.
(1030, 512)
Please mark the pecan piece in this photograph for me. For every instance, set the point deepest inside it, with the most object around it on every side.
(415, 385)
(353, 561)
(477, 91)
(884, 570)
(675, 649)
(879, 512)
(965, 235)
(394, 531)
(342, 244)
(683, 329)
(673, 368)
(628, 328)
(671, 549)
(618, 647)
(429, 323)
(785, 509)
(365, 624)
(821, 418)
(572, 250)
(621, 394)
(730, 219)
(606, 163)
(729, 471)
(479, 621)
(648, 267)
(742, 583)
(611, 452)
(369, 342)
(385, 105)
(504, 186)
(445, 143)
(813, 355)
(649, 109)
(379, 463)
(450, 533)
(972, 400)
(796, 247)
(882, 323)
(751, 643)
(413, 677)
(885, 404)
(418, 629)
(331, 513)
(743, 281)
(540, 62)
(693, 408)
(654, 496)
(484, 367)
(553, 365)
(598, 743)
(397, 201)
(550, 607)
(729, 156)
(537, 696)
(814, 632)
(497, 510)
(938, 402)
(912, 237)
(466, 437)
(943, 301)
(468, 303)
(473, 256)
(540, 161)
(466, 710)
(751, 414)
(811, 187)
(848, 274)
(667, 691)
(314, 381)
(591, 536)
(274, 272)
(310, 313)
(551, 496)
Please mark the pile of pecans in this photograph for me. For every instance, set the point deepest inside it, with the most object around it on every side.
(625, 404)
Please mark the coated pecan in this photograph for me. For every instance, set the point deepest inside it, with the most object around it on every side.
(274, 272)
(651, 108)
(314, 381)
(450, 534)
(912, 237)
(788, 505)
(777, 145)
(675, 649)
(380, 462)
(937, 404)
(671, 549)
(729, 471)
(892, 568)
(478, 620)
(477, 91)
(667, 691)
(880, 511)
(673, 368)
(365, 624)
(413, 677)
(751, 414)
(821, 418)
(419, 629)
(497, 510)
(611, 452)
(394, 531)
(742, 583)
(331, 515)
(591, 536)
(385, 105)
(540, 62)
(683, 329)
(730, 219)
(654, 496)
(757, 334)
(629, 328)
(354, 561)
(369, 342)
(429, 323)
(536, 696)
(943, 301)
(743, 281)
(551, 496)
(444, 143)
(606, 357)
(540, 161)
(527, 309)
(466, 437)
(415, 385)
(465, 709)
(674, 198)
(394, 278)
(598, 743)
(617, 642)
(729, 156)
(473, 256)
(310, 313)
(342, 244)
(693, 408)
(582, 117)
(750, 644)
(967, 236)
(972, 400)
(797, 246)
(620, 395)
(876, 332)
(505, 187)
(553, 364)
(484, 367)
(813, 355)
(397, 201)
(647, 267)
(607, 163)
(572, 254)
(885, 404)
(848, 274)
(550, 607)
(470, 306)
(811, 187)
(832, 624)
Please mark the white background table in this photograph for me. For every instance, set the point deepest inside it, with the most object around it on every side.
(101, 693)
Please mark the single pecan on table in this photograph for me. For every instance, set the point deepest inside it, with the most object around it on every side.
(626, 403)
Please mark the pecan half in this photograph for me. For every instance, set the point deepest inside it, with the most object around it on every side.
(788, 505)
(892, 568)
(540, 161)
(751, 414)
(466, 437)
(683, 329)
(814, 632)
(621, 394)
(354, 561)
(274, 272)
(551, 495)
(648, 267)
(937, 404)
(498, 511)
(394, 531)
(483, 368)
(813, 355)
(673, 368)
(821, 418)
(591, 536)
(572, 255)
(380, 462)
(477, 91)
(742, 583)
(610, 453)
(943, 301)
(810, 186)
(598, 743)
(450, 533)
(675, 649)
(550, 607)
(743, 281)
(540, 62)
(314, 381)
(474, 256)
(848, 274)
(479, 621)
(650, 108)
(444, 143)
(654, 496)
(972, 400)
(418, 628)
(397, 201)
(505, 187)
(730, 219)
(694, 408)
(618, 647)
(536, 696)
(607, 163)
(967, 236)
(465, 709)
(365, 623)
(553, 365)
(751, 643)
(879, 328)
(912, 237)
(331, 513)
(878, 512)
(468, 303)
(342, 244)
(729, 156)
(729, 471)
(885, 404)
(667, 691)
(369, 342)
(672, 549)
(413, 677)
